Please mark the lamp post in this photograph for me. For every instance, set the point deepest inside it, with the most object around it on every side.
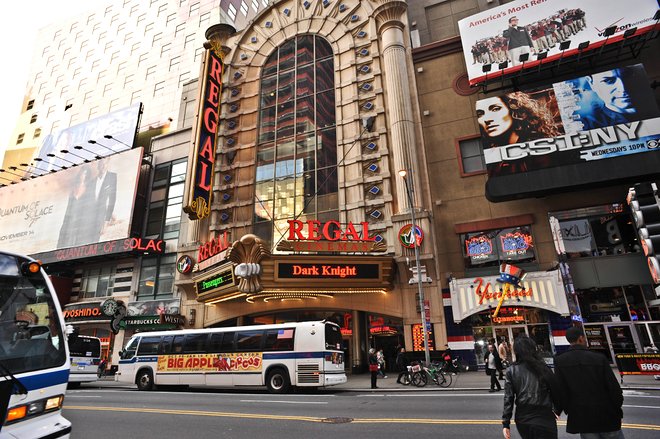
(404, 174)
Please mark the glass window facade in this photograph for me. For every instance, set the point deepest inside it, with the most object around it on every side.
(97, 282)
(296, 174)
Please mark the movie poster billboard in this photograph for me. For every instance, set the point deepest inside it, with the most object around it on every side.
(591, 127)
(120, 125)
(85, 204)
(499, 36)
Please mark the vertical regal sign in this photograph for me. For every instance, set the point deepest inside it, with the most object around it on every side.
(201, 162)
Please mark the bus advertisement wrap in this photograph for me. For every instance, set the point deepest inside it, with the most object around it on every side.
(238, 362)
(583, 126)
(494, 40)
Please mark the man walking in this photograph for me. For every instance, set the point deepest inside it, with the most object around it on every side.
(588, 391)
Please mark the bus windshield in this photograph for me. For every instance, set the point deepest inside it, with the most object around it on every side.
(30, 332)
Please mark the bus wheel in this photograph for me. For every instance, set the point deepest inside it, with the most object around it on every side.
(278, 381)
(145, 380)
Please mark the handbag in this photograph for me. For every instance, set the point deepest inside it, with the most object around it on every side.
(373, 368)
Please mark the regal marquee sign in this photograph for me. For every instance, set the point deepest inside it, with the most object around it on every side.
(541, 289)
(201, 162)
(330, 236)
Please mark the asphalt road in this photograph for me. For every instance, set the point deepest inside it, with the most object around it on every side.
(117, 412)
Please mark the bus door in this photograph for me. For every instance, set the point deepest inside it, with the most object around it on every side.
(128, 358)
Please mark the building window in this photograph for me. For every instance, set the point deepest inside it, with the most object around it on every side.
(37, 133)
(174, 62)
(194, 8)
(157, 278)
(148, 27)
(255, 5)
(170, 18)
(198, 54)
(150, 72)
(33, 119)
(113, 105)
(128, 80)
(93, 112)
(157, 38)
(107, 88)
(134, 48)
(470, 155)
(179, 28)
(164, 218)
(490, 248)
(244, 8)
(165, 49)
(204, 18)
(142, 58)
(135, 97)
(231, 10)
(162, 8)
(189, 39)
(97, 282)
(20, 138)
(159, 87)
(30, 104)
(297, 149)
(183, 78)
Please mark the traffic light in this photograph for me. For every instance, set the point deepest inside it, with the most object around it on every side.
(645, 208)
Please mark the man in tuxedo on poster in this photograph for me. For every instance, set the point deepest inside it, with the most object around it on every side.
(105, 192)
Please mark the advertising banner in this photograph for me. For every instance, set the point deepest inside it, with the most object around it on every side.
(86, 204)
(499, 36)
(120, 125)
(594, 127)
(638, 364)
(154, 307)
(238, 362)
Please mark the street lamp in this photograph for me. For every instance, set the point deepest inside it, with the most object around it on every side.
(404, 174)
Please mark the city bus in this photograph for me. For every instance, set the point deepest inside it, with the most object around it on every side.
(85, 352)
(34, 359)
(281, 356)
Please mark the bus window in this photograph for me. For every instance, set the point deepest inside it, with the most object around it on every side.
(166, 345)
(177, 344)
(148, 346)
(279, 340)
(129, 350)
(249, 341)
(87, 347)
(195, 343)
(332, 337)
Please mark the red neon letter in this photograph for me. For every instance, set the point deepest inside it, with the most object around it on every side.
(207, 150)
(213, 94)
(211, 120)
(216, 70)
(295, 227)
(204, 177)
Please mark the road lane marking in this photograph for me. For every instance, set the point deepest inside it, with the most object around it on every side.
(643, 406)
(83, 396)
(137, 410)
(284, 402)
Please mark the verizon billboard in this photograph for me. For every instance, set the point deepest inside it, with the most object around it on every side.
(603, 128)
(552, 27)
(85, 204)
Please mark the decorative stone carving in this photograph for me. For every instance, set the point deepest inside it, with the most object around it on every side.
(247, 253)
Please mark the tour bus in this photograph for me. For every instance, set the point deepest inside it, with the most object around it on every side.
(85, 355)
(305, 354)
(34, 359)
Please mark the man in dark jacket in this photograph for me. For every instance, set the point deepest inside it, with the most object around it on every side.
(588, 390)
(519, 41)
(493, 366)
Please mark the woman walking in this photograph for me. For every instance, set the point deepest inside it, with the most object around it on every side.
(373, 367)
(528, 385)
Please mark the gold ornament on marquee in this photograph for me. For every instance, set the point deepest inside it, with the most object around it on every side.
(247, 253)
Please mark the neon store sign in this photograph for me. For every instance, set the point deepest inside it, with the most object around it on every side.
(479, 247)
(515, 243)
(487, 292)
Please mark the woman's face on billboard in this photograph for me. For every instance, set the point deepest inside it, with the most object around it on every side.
(493, 116)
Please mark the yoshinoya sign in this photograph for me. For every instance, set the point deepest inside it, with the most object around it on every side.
(201, 163)
(600, 128)
(539, 289)
(499, 36)
(84, 311)
(142, 245)
(330, 236)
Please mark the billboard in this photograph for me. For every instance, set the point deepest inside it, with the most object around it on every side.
(551, 27)
(122, 125)
(197, 202)
(85, 204)
(602, 127)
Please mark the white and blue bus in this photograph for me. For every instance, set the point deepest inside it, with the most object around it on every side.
(34, 359)
(305, 354)
(85, 354)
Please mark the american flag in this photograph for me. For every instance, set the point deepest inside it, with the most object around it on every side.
(285, 333)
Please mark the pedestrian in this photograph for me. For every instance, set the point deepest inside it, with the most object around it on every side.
(380, 357)
(530, 385)
(493, 366)
(402, 364)
(588, 390)
(502, 351)
(373, 367)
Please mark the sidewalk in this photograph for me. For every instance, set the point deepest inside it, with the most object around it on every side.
(469, 381)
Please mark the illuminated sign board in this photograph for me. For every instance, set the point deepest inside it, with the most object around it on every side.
(85, 311)
(494, 39)
(201, 163)
(128, 245)
(217, 282)
(418, 338)
(330, 236)
(327, 271)
(213, 247)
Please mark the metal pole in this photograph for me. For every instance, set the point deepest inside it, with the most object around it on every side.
(427, 355)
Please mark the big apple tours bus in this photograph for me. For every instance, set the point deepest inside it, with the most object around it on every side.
(304, 354)
(34, 359)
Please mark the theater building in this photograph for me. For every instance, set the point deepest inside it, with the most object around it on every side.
(491, 207)
(309, 217)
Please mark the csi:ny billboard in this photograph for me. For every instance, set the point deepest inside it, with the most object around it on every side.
(85, 204)
(604, 127)
(494, 40)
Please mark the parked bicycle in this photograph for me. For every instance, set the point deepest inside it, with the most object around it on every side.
(439, 376)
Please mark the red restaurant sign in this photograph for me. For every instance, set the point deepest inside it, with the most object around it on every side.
(200, 164)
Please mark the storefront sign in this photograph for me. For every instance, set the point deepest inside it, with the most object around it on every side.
(418, 338)
(541, 289)
(216, 282)
(172, 319)
(239, 362)
(84, 311)
(184, 264)
(330, 231)
(154, 307)
(638, 364)
(328, 271)
(128, 245)
(151, 322)
(509, 315)
(410, 239)
(479, 248)
(200, 165)
(213, 247)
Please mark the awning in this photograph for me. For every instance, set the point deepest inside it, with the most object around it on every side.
(540, 289)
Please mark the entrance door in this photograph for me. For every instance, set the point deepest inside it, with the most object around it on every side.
(510, 333)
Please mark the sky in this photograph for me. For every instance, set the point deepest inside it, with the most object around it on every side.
(18, 35)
